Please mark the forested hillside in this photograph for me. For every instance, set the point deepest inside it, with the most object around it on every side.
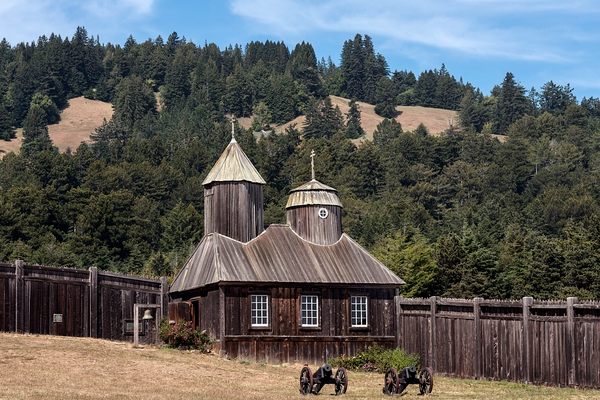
(461, 214)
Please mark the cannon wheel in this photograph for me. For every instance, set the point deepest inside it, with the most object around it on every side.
(390, 382)
(426, 380)
(306, 380)
(341, 381)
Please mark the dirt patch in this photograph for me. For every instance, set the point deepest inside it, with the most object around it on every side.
(436, 120)
(81, 117)
(52, 367)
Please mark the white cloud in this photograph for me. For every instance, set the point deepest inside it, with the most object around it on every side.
(26, 20)
(470, 27)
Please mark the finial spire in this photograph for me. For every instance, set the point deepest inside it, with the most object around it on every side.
(312, 164)
(233, 129)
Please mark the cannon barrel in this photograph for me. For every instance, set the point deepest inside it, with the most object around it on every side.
(327, 370)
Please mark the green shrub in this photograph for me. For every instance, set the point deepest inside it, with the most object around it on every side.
(377, 359)
(182, 335)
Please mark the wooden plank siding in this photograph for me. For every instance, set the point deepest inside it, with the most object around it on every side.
(90, 303)
(234, 209)
(305, 221)
(285, 340)
(7, 297)
(523, 341)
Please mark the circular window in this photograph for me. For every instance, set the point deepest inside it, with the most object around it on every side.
(323, 213)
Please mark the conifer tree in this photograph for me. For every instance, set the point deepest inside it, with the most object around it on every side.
(7, 131)
(133, 101)
(511, 104)
(35, 132)
(353, 127)
(386, 100)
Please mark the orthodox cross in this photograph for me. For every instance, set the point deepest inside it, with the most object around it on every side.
(312, 164)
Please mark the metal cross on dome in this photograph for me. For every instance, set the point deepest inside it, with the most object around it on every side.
(312, 164)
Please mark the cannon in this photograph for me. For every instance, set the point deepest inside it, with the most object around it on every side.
(396, 383)
(313, 383)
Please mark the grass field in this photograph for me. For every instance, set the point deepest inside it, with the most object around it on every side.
(77, 122)
(436, 120)
(50, 367)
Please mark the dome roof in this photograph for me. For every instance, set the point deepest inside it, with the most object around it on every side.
(233, 166)
(313, 193)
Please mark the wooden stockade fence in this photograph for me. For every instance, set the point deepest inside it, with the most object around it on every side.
(73, 302)
(543, 342)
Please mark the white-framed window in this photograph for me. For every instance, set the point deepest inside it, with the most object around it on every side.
(309, 307)
(259, 310)
(359, 311)
(323, 213)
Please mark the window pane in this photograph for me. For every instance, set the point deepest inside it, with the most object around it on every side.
(309, 306)
(259, 310)
(359, 311)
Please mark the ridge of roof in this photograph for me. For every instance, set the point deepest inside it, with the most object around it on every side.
(280, 255)
(233, 166)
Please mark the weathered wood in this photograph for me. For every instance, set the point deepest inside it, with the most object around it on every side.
(72, 302)
(432, 333)
(19, 296)
(222, 322)
(93, 302)
(527, 356)
(477, 336)
(571, 341)
(398, 317)
(307, 223)
(164, 295)
(234, 209)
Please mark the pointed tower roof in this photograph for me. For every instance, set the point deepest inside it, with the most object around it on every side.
(233, 166)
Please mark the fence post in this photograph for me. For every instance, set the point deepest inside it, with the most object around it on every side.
(432, 362)
(477, 345)
(164, 293)
(398, 316)
(571, 301)
(19, 296)
(93, 302)
(527, 303)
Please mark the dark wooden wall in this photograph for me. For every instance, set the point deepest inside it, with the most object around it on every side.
(305, 221)
(542, 342)
(234, 209)
(92, 303)
(7, 297)
(286, 341)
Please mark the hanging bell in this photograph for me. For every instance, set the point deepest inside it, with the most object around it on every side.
(147, 315)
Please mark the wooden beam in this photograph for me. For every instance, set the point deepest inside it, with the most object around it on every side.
(433, 305)
(478, 342)
(19, 296)
(93, 302)
(527, 357)
(572, 352)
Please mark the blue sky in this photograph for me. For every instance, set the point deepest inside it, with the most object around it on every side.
(479, 40)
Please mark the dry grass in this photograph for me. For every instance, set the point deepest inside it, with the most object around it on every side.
(50, 367)
(78, 121)
(436, 120)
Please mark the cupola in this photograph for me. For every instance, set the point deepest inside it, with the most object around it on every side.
(314, 211)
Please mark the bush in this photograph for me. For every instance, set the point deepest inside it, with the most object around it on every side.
(377, 359)
(182, 335)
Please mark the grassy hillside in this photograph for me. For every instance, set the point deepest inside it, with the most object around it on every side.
(436, 120)
(78, 121)
(50, 367)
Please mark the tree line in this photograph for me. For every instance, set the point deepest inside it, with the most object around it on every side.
(461, 214)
